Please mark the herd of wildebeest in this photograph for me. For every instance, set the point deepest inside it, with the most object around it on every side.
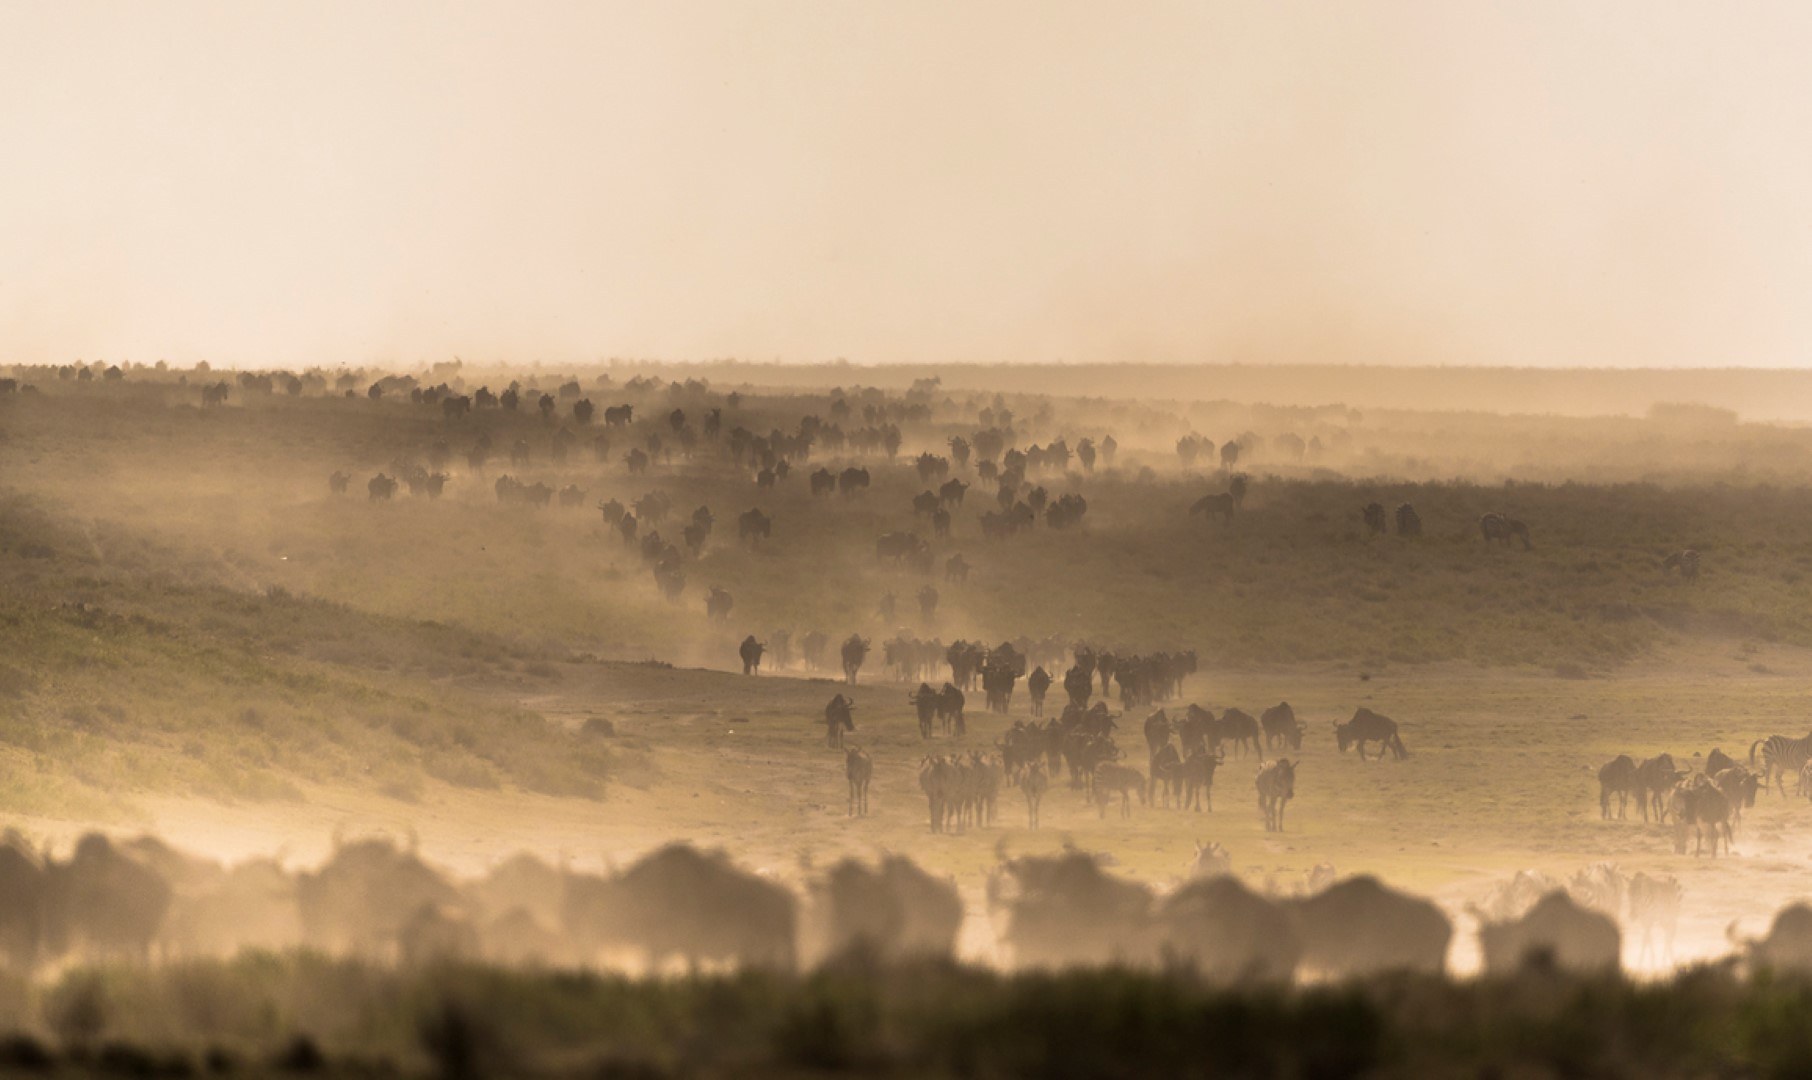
(373, 898)
(141, 897)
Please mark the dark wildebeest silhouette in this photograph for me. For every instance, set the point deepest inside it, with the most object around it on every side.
(1112, 778)
(1698, 804)
(718, 603)
(338, 483)
(380, 487)
(1038, 683)
(1211, 506)
(1065, 911)
(359, 900)
(1686, 561)
(839, 717)
(750, 650)
(1276, 784)
(1495, 526)
(1358, 928)
(1281, 727)
(855, 652)
(823, 482)
(1373, 514)
(1239, 728)
(852, 480)
(1617, 777)
(753, 527)
(1655, 779)
(924, 701)
(896, 912)
(950, 702)
(684, 903)
(1557, 934)
(1409, 523)
(1368, 726)
(1230, 935)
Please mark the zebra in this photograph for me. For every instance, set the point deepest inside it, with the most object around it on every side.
(860, 769)
(1781, 757)
(1276, 785)
(1687, 561)
(1654, 909)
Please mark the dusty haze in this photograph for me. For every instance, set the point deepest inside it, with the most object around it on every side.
(1549, 184)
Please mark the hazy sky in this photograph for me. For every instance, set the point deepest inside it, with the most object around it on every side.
(1520, 182)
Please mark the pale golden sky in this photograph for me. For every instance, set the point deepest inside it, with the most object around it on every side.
(1527, 182)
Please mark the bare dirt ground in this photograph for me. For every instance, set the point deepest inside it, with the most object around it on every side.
(1501, 777)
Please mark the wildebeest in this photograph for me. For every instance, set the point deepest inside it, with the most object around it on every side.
(1496, 526)
(1359, 927)
(1238, 727)
(1368, 726)
(359, 899)
(855, 651)
(1276, 784)
(380, 487)
(823, 482)
(338, 483)
(894, 912)
(838, 718)
(1373, 515)
(1033, 783)
(1409, 523)
(681, 902)
(1064, 910)
(718, 603)
(1281, 727)
(1655, 778)
(1787, 950)
(1687, 562)
(859, 769)
(750, 650)
(753, 526)
(1617, 777)
(1230, 935)
(1211, 506)
(1556, 933)
(1698, 805)
(852, 480)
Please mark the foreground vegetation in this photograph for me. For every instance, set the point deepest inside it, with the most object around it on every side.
(302, 1012)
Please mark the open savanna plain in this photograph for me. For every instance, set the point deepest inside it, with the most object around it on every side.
(199, 638)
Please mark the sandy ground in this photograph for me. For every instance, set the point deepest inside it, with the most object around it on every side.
(1501, 776)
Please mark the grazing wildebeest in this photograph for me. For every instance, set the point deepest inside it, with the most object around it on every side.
(1359, 927)
(750, 650)
(1230, 935)
(1687, 561)
(855, 651)
(1210, 506)
(1617, 777)
(718, 603)
(1496, 526)
(1276, 784)
(859, 769)
(1739, 785)
(1409, 523)
(1556, 933)
(1281, 727)
(838, 718)
(1368, 726)
(1373, 514)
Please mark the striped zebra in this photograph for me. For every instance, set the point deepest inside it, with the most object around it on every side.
(1276, 785)
(1781, 757)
